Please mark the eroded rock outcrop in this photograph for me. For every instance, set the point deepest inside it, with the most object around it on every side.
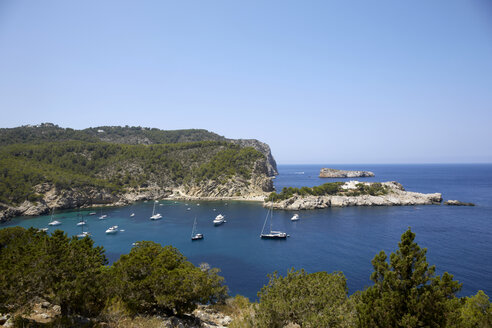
(395, 196)
(334, 173)
(457, 203)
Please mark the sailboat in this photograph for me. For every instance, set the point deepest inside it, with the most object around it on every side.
(194, 234)
(81, 222)
(53, 222)
(103, 216)
(155, 216)
(271, 234)
(84, 233)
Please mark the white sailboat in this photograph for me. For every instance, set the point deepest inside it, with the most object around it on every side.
(271, 234)
(155, 216)
(194, 234)
(103, 216)
(81, 222)
(84, 233)
(53, 222)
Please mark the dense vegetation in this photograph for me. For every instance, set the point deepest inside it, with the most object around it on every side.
(48, 132)
(330, 188)
(152, 279)
(117, 167)
(72, 273)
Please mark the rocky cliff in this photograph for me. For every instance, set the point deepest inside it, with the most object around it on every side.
(262, 148)
(334, 173)
(396, 196)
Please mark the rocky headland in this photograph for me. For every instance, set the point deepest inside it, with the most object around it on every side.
(334, 173)
(47, 167)
(395, 195)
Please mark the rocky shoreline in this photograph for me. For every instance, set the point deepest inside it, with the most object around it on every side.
(73, 199)
(396, 196)
(334, 173)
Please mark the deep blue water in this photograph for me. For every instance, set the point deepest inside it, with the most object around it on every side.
(335, 239)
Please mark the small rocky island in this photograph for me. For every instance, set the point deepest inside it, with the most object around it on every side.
(351, 193)
(334, 173)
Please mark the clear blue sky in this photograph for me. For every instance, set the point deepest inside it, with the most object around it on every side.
(320, 81)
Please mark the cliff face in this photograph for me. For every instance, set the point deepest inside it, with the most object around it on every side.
(334, 173)
(396, 196)
(262, 148)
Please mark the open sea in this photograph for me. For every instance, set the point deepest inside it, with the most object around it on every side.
(458, 239)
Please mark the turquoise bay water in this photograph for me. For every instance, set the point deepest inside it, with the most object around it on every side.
(334, 239)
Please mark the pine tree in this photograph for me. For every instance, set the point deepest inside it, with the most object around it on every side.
(406, 291)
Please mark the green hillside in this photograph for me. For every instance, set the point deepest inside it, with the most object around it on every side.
(117, 167)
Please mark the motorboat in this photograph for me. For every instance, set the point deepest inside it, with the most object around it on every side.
(112, 230)
(81, 223)
(295, 217)
(132, 215)
(219, 219)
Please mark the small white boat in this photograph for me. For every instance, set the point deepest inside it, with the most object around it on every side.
(53, 222)
(194, 234)
(103, 216)
(43, 229)
(295, 217)
(197, 204)
(188, 209)
(215, 210)
(92, 213)
(84, 234)
(81, 223)
(112, 230)
(132, 215)
(219, 219)
(155, 216)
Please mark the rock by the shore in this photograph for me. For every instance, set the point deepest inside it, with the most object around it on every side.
(457, 203)
(396, 196)
(334, 173)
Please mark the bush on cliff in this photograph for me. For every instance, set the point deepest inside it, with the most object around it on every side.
(72, 273)
(153, 279)
(309, 300)
(66, 271)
